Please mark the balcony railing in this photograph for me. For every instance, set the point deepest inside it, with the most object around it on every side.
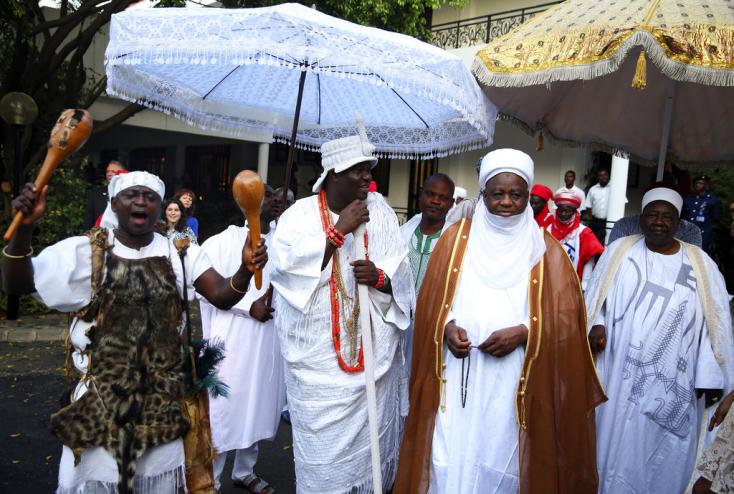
(480, 30)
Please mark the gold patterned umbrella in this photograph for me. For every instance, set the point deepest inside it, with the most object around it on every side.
(642, 76)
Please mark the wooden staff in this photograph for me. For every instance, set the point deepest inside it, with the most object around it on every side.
(71, 131)
(248, 191)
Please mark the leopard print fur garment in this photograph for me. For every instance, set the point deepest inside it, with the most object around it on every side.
(135, 376)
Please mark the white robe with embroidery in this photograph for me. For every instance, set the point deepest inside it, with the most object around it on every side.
(252, 367)
(328, 406)
(62, 277)
(658, 353)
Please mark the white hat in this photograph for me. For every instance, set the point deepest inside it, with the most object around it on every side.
(663, 194)
(459, 192)
(342, 154)
(125, 181)
(506, 160)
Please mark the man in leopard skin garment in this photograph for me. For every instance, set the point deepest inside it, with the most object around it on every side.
(124, 282)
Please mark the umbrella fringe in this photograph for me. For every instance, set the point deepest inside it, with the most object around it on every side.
(710, 76)
(240, 130)
(237, 131)
(453, 99)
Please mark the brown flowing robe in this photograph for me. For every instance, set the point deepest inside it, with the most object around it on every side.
(558, 388)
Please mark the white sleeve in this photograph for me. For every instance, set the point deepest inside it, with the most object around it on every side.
(601, 318)
(197, 261)
(589, 201)
(708, 371)
(297, 253)
(62, 274)
(588, 269)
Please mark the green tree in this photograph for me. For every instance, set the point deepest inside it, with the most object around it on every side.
(403, 16)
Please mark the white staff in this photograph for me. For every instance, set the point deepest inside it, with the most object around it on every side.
(369, 366)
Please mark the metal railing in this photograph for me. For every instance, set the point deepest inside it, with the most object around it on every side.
(480, 30)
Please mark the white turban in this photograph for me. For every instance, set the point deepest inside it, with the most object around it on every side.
(506, 160)
(459, 192)
(663, 194)
(125, 181)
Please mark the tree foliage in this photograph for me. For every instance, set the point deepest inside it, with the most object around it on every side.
(404, 16)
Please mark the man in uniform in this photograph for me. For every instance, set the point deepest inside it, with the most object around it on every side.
(704, 210)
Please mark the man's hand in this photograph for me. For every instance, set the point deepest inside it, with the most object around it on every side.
(504, 341)
(259, 309)
(254, 260)
(352, 216)
(718, 417)
(365, 272)
(30, 203)
(598, 339)
(457, 341)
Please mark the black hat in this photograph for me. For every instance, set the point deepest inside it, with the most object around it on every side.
(705, 178)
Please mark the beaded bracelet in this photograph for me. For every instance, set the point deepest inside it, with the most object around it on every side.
(335, 237)
(380, 279)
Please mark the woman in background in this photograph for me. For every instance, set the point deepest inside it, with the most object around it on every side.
(188, 198)
(175, 219)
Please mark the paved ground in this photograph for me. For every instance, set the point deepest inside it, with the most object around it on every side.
(31, 384)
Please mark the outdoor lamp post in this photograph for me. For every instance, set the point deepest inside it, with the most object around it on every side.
(18, 110)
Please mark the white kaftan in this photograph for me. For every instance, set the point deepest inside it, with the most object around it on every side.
(328, 406)
(658, 353)
(252, 367)
(62, 277)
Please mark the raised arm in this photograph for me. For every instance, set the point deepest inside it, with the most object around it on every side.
(222, 292)
(17, 267)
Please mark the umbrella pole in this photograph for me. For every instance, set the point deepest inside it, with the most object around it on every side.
(369, 366)
(292, 148)
(665, 137)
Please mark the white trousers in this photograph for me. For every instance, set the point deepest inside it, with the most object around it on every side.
(244, 464)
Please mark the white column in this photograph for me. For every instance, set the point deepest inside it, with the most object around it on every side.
(263, 152)
(618, 192)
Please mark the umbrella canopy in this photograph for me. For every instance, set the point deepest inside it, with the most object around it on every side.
(235, 69)
(569, 72)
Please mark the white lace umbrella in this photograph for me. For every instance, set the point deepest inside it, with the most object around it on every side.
(232, 70)
(567, 73)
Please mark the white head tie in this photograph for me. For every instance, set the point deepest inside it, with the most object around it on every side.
(506, 160)
(342, 154)
(125, 181)
(459, 192)
(663, 194)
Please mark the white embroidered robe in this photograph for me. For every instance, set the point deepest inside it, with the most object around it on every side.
(328, 406)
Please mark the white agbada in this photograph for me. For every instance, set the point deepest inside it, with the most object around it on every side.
(252, 367)
(327, 405)
(658, 353)
(62, 277)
